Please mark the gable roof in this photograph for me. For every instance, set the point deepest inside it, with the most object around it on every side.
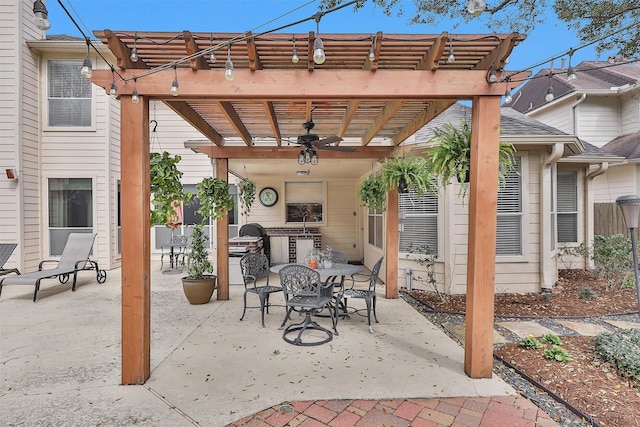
(592, 77)
(627, 146)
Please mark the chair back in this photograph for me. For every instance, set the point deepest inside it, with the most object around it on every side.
(6, 249)
(77, 248)
(374, 275)
(339, 258)
(300, 281)
(254, 266)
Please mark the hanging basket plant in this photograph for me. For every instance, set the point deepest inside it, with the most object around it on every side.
(372, 192)
(407, 174)
(451, 157)
(247, 194)
(215, 198)
(166, 188)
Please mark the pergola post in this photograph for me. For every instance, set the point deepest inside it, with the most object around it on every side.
(222, 238)
(391, 245)
(483, 200)
(136, 284)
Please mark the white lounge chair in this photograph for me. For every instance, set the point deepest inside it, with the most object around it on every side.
(74, 258)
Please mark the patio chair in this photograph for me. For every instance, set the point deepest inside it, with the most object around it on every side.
(175, 249)
(304, 292)
(6, 249)
(369, 295)
(74, 258)
(255, 267)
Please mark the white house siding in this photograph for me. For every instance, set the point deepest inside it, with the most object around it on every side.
(618, 181)
(19, 213)
(340, 231)
(560, 116)
(598, 119)
(114, 177)
(630, 113)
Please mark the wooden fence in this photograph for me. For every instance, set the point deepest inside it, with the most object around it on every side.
(608, 220)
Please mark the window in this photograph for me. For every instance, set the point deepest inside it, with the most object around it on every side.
(509, 227)
(376, 228)
(70, 210)
(234, 213)
(418, 218)
(567, 211)
(68, 95)
(304, 202)
(552, 202)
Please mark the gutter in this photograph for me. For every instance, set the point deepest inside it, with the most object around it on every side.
(546, 267)
(573, 112)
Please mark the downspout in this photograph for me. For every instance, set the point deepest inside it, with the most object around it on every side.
(588, 206)
(548, 270)
(573, 113)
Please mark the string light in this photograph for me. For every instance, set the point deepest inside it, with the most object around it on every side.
(228, 66)
(372, 51)
(212, 55)
(294, 56)
(549, 96)
(174, 85)
(87, 67)
(571, 72)
(41, 16)
(476, 7)
(114, 86)
(507, 94)
(451, 58)
(491, 75)
(318, 47)
(134, 51)
(134, 95)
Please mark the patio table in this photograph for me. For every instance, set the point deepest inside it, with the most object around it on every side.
(173, 261)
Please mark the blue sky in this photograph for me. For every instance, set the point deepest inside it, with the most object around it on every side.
(547, 40)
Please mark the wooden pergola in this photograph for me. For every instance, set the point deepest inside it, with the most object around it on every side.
(374, 104)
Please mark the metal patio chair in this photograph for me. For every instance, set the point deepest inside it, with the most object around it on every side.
(6, 249)
(255, 267)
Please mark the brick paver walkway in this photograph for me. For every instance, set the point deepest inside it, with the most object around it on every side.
(503, 411)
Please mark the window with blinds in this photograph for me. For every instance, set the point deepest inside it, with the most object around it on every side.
(567, 207)
(376, 228)
(418, 219)
(509, 227)
(68, 95)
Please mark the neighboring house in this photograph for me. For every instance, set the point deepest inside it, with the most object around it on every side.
(547, 200)
(602, 107)
(61, 135)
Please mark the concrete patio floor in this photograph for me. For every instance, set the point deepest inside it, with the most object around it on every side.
(60, 358)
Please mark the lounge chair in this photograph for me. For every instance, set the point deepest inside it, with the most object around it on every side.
(6, 249)
(74, 258)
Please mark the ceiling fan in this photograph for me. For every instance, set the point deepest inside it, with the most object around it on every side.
(310, 141)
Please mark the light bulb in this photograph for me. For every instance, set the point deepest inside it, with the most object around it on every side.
(86, 70)
(174, 88)
(41, 16)
(314, 158)
(134, 96)
(318, 51)
(294, 58)
(571, 74)
(114, 89)
(507, 97)
(372, 54)
(549, 96)
(492, 76)
(452, 57)
(301, 158)
(228, 70)
(134, 54)
(212, 57)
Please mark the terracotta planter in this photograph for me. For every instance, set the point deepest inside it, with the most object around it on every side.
(199, 291)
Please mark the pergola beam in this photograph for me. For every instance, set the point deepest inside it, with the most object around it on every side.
(194, 119)
(432, 111)
(390, 109)
(228, 152)
(432, 56)
(273, 121)
(198, 62)
(236, 121)
(122, 53)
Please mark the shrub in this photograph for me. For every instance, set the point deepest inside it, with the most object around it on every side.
(587, 293)
(612, 257)
(622, 350)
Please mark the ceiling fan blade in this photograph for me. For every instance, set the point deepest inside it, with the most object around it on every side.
(326, 141)
(338, 148)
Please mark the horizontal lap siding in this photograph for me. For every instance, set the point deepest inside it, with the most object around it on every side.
(618, 181)
(598, 119)
(630, 114)
(340, 232)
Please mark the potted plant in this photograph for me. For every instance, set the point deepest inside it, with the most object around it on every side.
(166, 188)
(247, 194)
(372, 192)
(199, 284)
(215, 198)
(451, 156)
(407, 173)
